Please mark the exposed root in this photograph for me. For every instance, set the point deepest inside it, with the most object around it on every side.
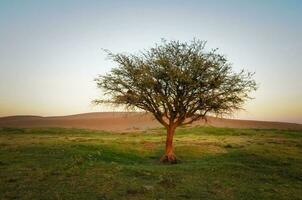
(169, 159)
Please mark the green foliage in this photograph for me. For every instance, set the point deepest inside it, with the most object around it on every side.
(217, 163)
(176, 81)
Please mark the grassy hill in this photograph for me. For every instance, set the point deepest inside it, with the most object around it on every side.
(217, 163)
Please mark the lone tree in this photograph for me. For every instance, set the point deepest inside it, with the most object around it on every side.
(178, 82)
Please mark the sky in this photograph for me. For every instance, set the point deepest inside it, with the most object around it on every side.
(51, 51)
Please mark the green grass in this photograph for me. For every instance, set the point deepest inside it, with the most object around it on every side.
(217, 163)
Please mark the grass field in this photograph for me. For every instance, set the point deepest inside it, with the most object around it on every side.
(216, 163)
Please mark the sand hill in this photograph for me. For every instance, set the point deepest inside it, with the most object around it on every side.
(127, 121)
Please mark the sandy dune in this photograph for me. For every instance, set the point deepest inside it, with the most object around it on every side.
(119, 121)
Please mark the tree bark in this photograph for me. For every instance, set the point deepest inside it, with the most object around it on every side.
(169, 156)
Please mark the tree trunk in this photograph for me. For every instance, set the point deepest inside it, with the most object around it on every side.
(169, 156)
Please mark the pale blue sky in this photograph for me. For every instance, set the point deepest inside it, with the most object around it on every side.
(50, 51)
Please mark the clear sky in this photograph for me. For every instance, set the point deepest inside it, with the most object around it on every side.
(50, 51)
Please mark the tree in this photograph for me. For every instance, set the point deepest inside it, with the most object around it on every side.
(178, 82)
